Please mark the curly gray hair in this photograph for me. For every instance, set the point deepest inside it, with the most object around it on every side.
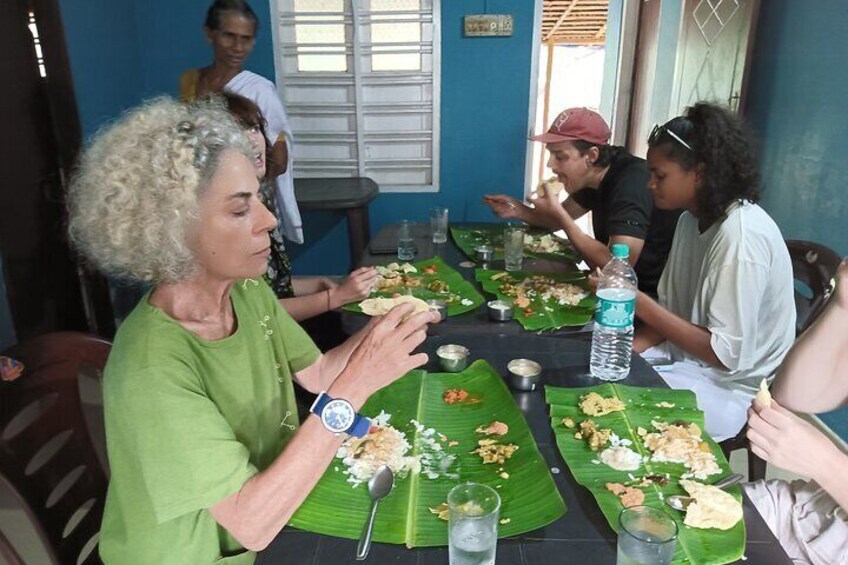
(134, 200)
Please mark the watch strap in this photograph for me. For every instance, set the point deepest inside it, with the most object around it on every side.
(322, 400)
(360, 426)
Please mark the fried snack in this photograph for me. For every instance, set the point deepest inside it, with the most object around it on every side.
(552, 183)
(712, 507)
(380, 306)
(629, 496)
(763, 395)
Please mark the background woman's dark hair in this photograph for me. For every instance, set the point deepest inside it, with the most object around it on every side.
(248, 115)
(218, 7)
(606, 153)
(724, 145)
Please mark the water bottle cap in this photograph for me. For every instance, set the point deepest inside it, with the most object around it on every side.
(620, 250)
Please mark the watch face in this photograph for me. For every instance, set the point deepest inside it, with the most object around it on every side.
(338, 415)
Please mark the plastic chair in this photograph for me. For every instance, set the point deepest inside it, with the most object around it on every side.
(46, 452)
(814, 267)
(756, 465)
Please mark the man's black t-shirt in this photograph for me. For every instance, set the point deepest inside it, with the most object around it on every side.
(623, 205)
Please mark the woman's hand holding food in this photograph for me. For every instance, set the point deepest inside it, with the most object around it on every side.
(385, 353)
(783, 439)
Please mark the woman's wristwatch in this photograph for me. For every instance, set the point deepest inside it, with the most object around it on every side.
(338, 416)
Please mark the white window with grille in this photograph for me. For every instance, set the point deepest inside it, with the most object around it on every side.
(360, 82)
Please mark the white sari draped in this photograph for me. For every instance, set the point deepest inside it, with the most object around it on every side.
(264, 94)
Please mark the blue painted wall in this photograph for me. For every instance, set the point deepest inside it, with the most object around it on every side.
(102, 43)
(485, 102)
(797, 105)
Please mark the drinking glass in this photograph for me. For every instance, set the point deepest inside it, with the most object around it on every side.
(646, 536)
(406, 243)
(473, 524)
(439, 224)
(513, 247)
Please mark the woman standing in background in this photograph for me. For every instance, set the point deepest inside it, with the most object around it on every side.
(230, 29)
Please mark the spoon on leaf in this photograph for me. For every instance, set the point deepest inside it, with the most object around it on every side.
(379, 486)
(681, 502)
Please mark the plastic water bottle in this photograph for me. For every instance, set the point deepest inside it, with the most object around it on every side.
(612, 339)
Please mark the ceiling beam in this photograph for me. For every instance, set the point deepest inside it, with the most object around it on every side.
(560, 20)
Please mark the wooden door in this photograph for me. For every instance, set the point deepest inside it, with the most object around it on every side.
(46, 289)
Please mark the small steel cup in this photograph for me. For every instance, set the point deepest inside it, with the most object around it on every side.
(499, 310)
(484, 253)
(439, 306)
(453, 358)
(524, 374)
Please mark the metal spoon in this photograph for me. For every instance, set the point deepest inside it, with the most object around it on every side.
(680, 502)
(378, 487)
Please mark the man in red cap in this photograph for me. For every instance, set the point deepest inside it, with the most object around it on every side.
(609, 182)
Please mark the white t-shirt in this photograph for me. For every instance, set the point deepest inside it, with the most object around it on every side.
(735, 279)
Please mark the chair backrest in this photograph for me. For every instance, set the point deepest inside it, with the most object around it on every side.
(46, 452)
(814, 267)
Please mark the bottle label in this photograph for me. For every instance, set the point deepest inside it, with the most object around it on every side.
(615, 313)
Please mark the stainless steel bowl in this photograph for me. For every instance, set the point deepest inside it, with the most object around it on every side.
(484, 253)
(439, 306)
(524, 374)
(453, 358)
(499, 310)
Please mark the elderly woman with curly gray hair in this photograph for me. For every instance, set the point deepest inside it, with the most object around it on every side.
(206, 452)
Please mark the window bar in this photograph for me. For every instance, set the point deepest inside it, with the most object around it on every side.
(357, 87)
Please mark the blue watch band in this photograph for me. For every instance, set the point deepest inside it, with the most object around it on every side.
(358, 428)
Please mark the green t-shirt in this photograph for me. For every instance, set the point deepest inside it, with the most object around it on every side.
(188, 421)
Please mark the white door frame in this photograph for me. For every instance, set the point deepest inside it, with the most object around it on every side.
(534, 84)
(623, 40)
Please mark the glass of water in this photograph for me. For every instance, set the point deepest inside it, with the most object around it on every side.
(473, 524)
(513, 247)
(439, 224)
(646, 536)
(406, 243)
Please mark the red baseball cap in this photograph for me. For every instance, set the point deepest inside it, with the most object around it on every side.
(577, 123)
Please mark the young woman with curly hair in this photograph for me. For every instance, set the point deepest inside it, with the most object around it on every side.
(725, 317)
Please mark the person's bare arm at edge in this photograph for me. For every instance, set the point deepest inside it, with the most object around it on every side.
(278, 160)
(791, 443)
(695, 340)
(814, 374)
(316, 295)
(265, 503)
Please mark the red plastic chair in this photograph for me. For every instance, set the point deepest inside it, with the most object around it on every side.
(47, 455)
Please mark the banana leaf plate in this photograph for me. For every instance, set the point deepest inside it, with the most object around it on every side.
(462, 297)
(541, 314)
(694, 545)
(530, 499)
(471, 237)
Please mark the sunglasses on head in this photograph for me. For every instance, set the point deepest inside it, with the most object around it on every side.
(659, 130)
